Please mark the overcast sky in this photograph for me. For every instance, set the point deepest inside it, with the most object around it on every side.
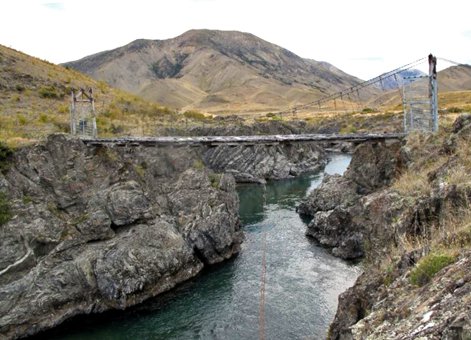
(361, 37)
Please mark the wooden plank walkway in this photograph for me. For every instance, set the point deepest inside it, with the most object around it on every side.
(236, 140)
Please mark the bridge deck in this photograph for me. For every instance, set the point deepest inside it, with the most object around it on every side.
(250, 140)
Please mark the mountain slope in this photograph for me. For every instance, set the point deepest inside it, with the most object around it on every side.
(35, 99)
(454, 89)
(215, 71)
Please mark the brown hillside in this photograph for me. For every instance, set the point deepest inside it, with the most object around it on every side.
(215, 71)
(35, 98)
(454, 89)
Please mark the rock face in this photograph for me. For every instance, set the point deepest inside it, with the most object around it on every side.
(438, 310)
(415, 236)
(99, 228)
(339, 205)
(258, 163)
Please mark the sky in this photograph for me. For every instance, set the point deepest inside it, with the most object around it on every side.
(361, 37)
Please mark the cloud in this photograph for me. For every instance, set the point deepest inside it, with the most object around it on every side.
(56, 6)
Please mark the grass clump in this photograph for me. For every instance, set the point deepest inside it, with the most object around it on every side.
(194, 115)
(198, 164)
(49, 92)
(428, 266)
(215, 180)
(412, 184)
(368, 110)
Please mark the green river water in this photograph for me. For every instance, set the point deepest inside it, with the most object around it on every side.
(303, 281)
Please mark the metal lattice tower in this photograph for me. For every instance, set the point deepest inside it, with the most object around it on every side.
(82, 114)
(420, 100)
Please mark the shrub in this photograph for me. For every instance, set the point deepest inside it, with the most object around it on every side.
(5, 213)
(215, 180)
(5, 156)
(368, 110)
(19, 88)
(455, 109)
(48, 92)
(428, 266)
(194, 115)
(43, 118)
(22, 119)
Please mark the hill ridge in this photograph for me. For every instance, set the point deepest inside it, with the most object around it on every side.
(215, 70)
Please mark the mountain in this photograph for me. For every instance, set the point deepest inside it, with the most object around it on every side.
(455, 78)
(215, 71)
(401, 78)
(454, 89)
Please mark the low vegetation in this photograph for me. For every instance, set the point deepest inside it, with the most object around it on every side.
(438, 173)
(5, 154)
(35, 102)
(428, 266)
(5, 213)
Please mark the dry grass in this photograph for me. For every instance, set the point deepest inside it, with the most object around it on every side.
(446, 235)
(35, 99)
(412, 184)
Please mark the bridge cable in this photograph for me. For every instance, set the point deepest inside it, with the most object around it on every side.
(362, 84)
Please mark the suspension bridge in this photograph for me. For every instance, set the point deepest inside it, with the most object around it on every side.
(420, 113)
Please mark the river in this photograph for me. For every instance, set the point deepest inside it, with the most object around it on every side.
(302, 281)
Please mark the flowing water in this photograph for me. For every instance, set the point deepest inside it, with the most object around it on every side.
(302, 281)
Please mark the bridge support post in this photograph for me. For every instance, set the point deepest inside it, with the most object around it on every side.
(433, 89)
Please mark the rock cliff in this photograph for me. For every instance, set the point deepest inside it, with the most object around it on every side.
(93, 229)
(340, 207)
(258, 163)
(405, 210)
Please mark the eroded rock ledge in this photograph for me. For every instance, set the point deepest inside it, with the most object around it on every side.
(339, 205)
(258, 163)
(101, 228)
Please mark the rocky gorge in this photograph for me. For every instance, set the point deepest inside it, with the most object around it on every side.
(89, 229)
(404, 209)
(93, 229)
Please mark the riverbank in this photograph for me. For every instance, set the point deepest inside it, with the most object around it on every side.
(405, 210)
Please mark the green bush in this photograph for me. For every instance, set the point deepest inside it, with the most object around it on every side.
(454, 109)
(49, 92)
(22, 119)
(428, 266)
(5, 213)
(43, 118)
(5, 156)
(215, 180)
(368, 110)
(194, 115)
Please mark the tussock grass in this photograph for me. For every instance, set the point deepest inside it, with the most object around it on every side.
(428, 266)
(412, 184)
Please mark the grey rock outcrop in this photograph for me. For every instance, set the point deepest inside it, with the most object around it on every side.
(100, 228)
(258, 163)
(417, 279)
(339, 205)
